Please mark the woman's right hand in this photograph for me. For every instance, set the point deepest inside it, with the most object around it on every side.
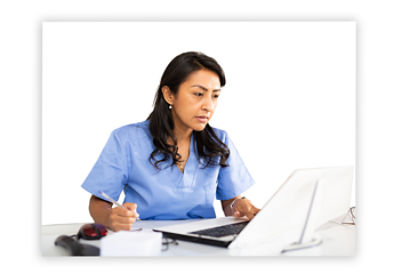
(123, 218)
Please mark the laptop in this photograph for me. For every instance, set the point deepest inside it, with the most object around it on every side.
(306, 200)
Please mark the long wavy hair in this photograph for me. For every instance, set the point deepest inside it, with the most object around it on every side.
(161, 124)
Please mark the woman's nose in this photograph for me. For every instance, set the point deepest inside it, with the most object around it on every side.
(208, 104)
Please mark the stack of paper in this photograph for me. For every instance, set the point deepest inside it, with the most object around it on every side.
(128, 243)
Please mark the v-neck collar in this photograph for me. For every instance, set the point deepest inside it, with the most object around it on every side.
(190, 157)
(188, 176)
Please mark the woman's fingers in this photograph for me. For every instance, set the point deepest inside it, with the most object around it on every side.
(123, 218)
(245, 208)
(122, 227)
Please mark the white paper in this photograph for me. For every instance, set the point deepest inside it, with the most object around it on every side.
(127, 243)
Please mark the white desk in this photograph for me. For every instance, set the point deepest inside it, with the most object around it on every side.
(338, 240)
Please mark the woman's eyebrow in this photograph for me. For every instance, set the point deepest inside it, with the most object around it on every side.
(203, 88)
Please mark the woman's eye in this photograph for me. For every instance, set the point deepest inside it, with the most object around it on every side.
(216, 95)
(198, 93)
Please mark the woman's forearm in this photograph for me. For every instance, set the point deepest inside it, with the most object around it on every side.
(226, 206)
(100, 211)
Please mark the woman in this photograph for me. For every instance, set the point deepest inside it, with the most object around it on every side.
(172, 165)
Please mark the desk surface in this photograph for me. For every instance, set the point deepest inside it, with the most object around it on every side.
(338, 240)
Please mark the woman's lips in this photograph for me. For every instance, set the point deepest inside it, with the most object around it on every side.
(202, 119)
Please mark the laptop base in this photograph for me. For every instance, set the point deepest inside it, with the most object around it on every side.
(201, 240)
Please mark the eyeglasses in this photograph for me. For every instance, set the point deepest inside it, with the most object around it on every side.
(350, 217)
(166, 242)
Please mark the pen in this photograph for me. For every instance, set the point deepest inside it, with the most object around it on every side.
(114, 202)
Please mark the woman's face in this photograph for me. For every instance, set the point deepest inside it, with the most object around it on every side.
(195, 102)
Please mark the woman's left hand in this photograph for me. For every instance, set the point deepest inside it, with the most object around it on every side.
(243, 207)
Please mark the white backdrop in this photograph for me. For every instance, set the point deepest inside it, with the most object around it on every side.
(289, 101)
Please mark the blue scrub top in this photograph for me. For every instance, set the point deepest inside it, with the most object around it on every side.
(167, 193)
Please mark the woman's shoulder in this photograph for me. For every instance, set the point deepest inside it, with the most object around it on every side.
(133, 129)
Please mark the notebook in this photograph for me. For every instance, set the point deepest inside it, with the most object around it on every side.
(306, 200)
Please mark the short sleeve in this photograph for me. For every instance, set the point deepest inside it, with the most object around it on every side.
(110, 172)
(235, 178)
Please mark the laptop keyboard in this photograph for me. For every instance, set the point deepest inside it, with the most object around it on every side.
(222, 231)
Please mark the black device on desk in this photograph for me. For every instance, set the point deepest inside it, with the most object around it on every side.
(75, 247)
(87, 232)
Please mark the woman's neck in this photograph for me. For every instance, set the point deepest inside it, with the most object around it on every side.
(181, 131)
(182, 135)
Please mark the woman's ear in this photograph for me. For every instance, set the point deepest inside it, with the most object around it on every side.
(168, 95)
